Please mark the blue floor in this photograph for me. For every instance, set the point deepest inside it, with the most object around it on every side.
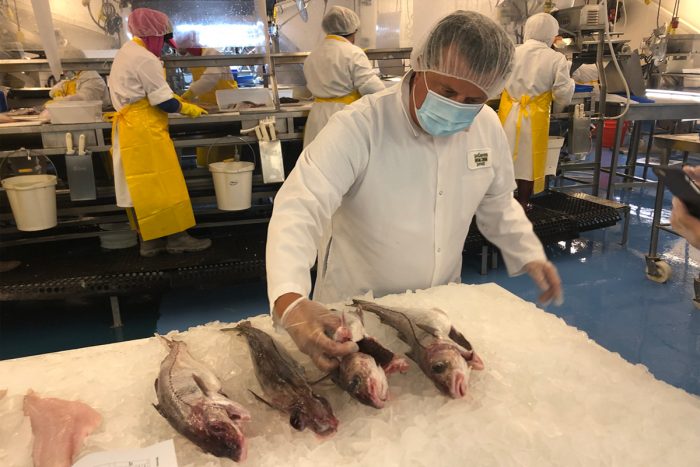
(607, 296)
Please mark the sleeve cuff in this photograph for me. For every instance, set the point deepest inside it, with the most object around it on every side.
(276, 292)
(161, 95)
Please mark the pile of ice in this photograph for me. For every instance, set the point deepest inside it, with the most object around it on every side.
(548, 396)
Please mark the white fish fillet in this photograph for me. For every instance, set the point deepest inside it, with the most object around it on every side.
(59, 428)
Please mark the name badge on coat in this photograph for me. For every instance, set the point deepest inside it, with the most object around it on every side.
(479, 159)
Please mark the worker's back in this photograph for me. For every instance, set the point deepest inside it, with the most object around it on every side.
(538, 69)
(337, 67)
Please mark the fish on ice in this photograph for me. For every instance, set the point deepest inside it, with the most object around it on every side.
(191, 400)
(284, 385)
(440, 350)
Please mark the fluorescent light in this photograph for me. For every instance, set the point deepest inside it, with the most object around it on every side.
(226, 35)
(673, 95)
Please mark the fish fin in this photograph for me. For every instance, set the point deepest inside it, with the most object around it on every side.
(374, 349)
(411, 355)
(475, 362)
(324, 377)
(157, 407)
(262, 400)
(429, 329)
(166, 342)
(459, 338)
(155, 385)
(200, 384)
(240, 327)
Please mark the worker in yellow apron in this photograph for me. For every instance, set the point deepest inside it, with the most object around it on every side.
(147, 173)
(205, 82)
(85, 85)
(540, 75)
(337, 72)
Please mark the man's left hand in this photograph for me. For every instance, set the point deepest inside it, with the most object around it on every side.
(545, 275)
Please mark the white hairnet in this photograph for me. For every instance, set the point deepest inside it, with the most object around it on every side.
(470, 46)
(341, 21)
(541, 27)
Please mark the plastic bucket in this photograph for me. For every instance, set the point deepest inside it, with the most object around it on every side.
(609, 128)
(32, 200)
(233, 184)
(553, 148)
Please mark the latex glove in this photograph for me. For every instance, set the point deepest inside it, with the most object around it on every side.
(192, 110)
(310, 324)
(545, 275)
(187, 95)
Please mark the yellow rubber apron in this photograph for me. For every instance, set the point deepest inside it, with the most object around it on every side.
(152, 169)
(537, 110)
(206, 155)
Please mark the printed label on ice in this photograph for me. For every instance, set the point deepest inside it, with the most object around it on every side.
(479, 159)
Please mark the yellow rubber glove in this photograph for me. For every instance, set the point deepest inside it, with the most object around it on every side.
(192, 110)
(56, 93)
(187, 95)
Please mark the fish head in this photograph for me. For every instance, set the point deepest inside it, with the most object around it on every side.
(447, 368)
(315, 413)
(363, 379)
(223, 438)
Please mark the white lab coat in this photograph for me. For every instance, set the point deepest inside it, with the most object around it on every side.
(136, 73)
(399, 203)
(89, 86)
(211, 76)
(334, 69)
(536, 69)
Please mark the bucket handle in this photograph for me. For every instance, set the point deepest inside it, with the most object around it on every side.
(28, 154)
(252, 149)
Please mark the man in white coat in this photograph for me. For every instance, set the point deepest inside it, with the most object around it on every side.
(540, 75)
(337, 72)
(399, 176)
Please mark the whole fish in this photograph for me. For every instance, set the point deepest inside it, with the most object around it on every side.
(363, 374)
(283, 382)
(190, 398)
(442, 352)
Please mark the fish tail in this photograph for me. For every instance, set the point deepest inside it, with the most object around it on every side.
(167, 342)
(241, 327)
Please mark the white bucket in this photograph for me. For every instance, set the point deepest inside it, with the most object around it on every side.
(33, 201)
(553, 147)
(233, 184)
(116, 236)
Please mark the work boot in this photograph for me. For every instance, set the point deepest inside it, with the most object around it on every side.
(150, 248)
(183, 242)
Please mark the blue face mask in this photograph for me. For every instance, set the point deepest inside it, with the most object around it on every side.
(441, 116)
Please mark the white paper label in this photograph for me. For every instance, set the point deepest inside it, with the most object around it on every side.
(479, 159)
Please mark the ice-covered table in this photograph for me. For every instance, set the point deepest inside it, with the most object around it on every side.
(548, 396)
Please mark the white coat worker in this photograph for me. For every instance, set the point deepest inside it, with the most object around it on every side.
(205, 82)
(337, 72)
(147, 173)
(540, 75)
(86, 85)
(398, 176)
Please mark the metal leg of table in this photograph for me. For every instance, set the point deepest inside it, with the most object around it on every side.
(696, 287)
(613, 159)
(633, 149)
(626, 225)
(484, 260)
(649, 144)
(685, 157)
(658, 204)
(494, 258)
(117, 324)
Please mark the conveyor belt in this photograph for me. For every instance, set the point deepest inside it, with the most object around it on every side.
(588, 215)
(80, 267)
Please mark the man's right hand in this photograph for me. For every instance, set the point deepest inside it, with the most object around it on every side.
(309, 324)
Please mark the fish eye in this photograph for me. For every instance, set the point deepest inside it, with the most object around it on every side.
(297, 421)
(354, 383)
(439, 367)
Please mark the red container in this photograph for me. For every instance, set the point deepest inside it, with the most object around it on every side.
(609, 128)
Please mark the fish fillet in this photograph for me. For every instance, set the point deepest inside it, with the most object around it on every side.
(59, 428)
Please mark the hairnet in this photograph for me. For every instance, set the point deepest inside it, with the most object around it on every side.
(541, 27)
(144, 22)
(470, 46)
(341, 21)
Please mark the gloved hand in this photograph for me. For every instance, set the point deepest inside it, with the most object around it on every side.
(309, 324)
(192, 110)
(187, 95)
(56, 94)
(545, 275)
